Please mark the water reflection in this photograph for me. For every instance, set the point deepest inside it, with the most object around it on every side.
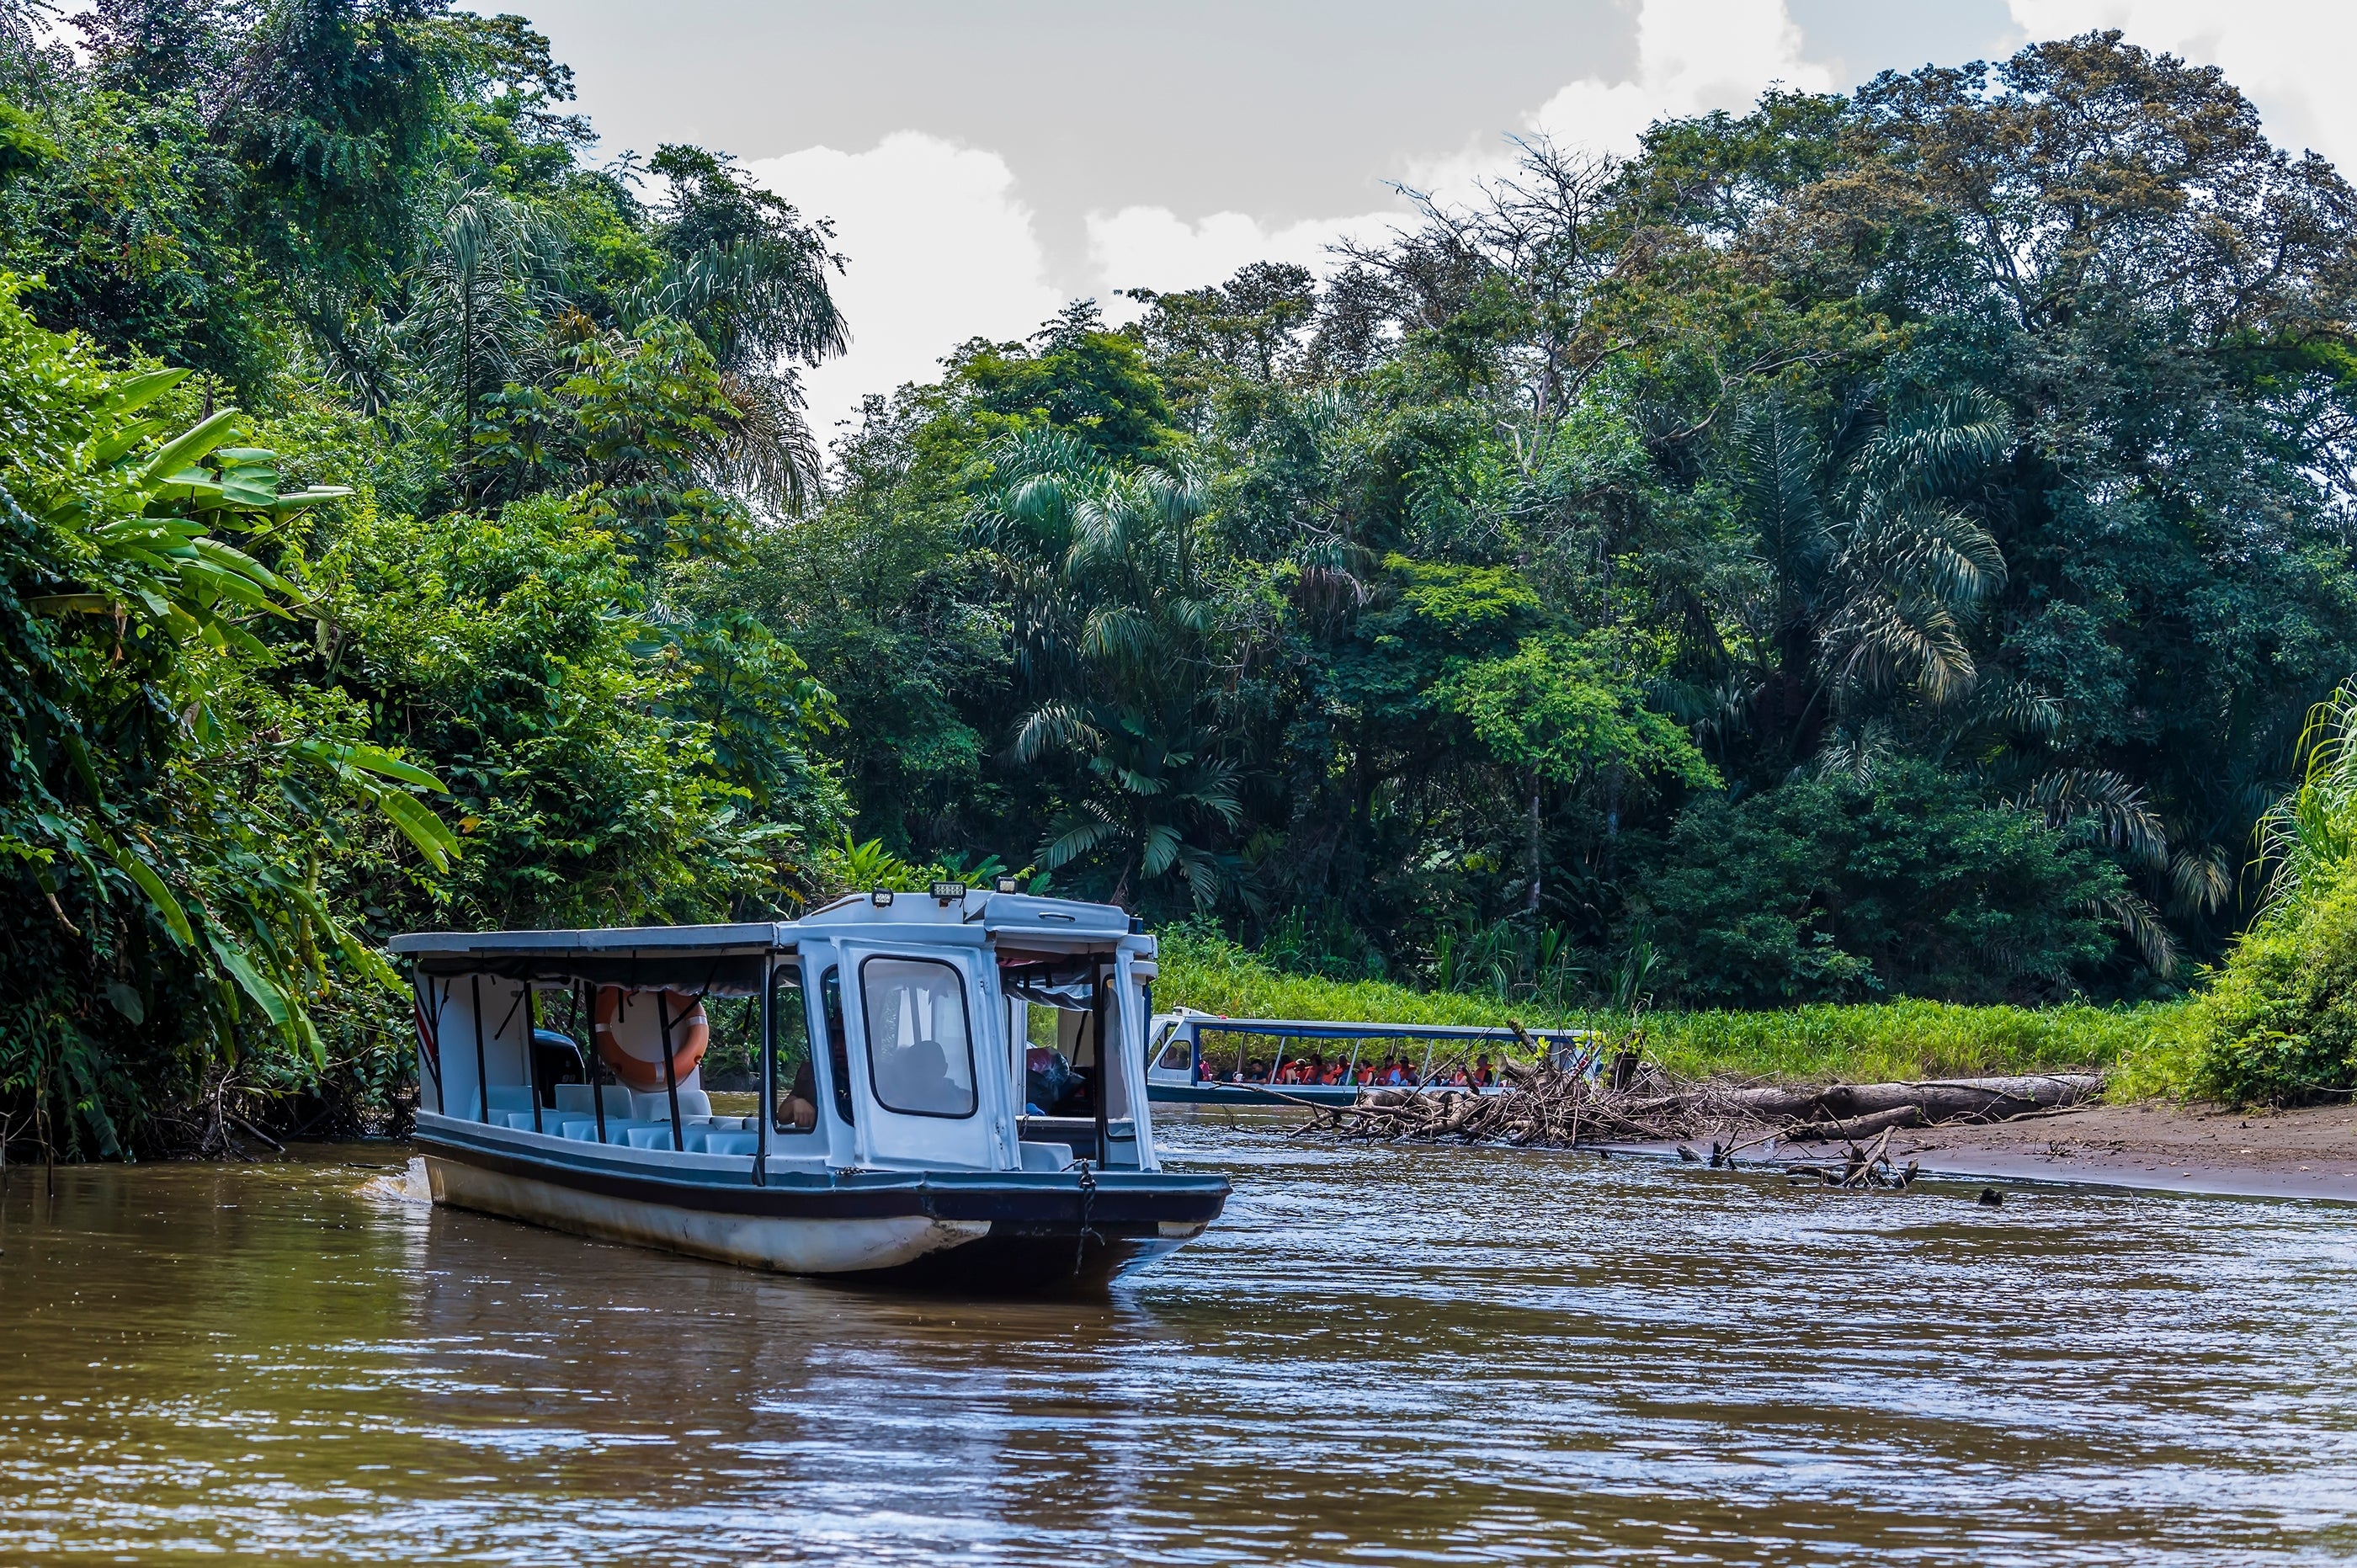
(1462, 1355)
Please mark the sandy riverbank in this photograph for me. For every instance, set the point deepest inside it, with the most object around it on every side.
(2307, 1153)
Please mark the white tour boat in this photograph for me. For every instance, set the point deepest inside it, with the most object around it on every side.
(929, 1098)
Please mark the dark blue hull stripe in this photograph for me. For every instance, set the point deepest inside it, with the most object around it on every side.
(1055, 1201)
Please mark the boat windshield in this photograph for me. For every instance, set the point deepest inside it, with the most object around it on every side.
(919, 1050)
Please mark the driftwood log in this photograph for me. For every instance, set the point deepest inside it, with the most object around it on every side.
(1938, 1099)
(1550, 1107)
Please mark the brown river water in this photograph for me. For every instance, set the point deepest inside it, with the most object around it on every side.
(1381, 1355)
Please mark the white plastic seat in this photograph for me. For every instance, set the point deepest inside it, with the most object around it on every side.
(1045, 1156)
(521, 1120)
(576, 1097)
(655, 1137)
(694, 1105)
(731, 1143)
(510, 1097)
(583, 1131)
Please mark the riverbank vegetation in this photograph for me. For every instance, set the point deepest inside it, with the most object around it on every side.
(1850, 564)
(1819, 1042)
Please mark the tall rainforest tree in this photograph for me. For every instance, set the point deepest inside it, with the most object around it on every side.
(1114, 633)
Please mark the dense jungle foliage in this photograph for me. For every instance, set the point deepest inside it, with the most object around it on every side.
(1877, 546)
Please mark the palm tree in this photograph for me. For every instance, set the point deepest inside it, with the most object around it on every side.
(1868, 579)
(760, 307)
(475, 322)
(1113, 631)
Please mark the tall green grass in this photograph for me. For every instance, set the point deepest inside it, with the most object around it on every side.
(1866, 1043)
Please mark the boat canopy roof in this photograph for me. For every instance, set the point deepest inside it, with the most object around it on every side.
(727, 961)
(719, 960)
(1300, 1030)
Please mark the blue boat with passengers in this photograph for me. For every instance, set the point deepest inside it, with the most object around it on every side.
(945, 1088)
(1201, 1058)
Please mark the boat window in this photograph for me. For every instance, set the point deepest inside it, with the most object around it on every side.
(838, 1043)
(1175, 1056)
(920, 1053)
(795, 1107)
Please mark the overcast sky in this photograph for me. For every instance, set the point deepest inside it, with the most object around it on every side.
(985, 162)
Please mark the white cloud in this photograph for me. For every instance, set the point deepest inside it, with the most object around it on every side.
(1692, 55)
(940, 250)
(1153, 247)
(2289, 56)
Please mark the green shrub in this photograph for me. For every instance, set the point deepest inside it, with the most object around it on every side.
(1836, 890)
(2278, 1022)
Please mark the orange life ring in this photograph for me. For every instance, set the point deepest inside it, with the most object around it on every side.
(629, 1039)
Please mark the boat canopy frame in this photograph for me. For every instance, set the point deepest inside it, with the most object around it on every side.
(1193, 1027)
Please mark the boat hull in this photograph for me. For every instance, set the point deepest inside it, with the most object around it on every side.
(989, 1232)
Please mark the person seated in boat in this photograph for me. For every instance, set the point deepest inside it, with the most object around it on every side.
(1205, 1072)
(1484, 1076)
(797, 1109)
(1338, 1071)
(1460, 1079)
(1395, 1074)
(1366, 1074)
(1048, 1080)
(916, 1077)
(1255, 1073)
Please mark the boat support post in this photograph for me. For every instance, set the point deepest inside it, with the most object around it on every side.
(1103, 1095)
(421, 991)
(482, 1077)
(670, 1069)
(531, 1047)
(597, 1059)
(768, 1070)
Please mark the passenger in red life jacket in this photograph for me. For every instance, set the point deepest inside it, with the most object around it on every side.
(1484, 1076)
